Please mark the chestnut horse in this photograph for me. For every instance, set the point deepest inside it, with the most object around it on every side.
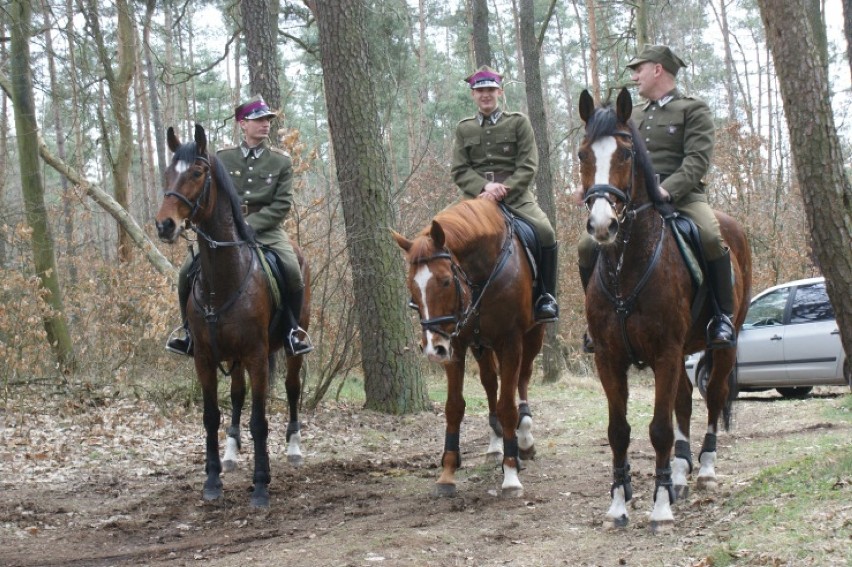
(638, 308)
(231, 309)
(473, 287)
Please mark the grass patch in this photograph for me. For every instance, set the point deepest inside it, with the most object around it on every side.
(793, 513)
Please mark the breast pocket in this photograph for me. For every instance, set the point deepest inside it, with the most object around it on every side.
(507, 144)
(472, 141)
(669, 132)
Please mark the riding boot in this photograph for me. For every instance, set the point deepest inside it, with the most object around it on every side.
(296, 341)
(182, 344)
(546, 309)
(585, 277)
(720, 331)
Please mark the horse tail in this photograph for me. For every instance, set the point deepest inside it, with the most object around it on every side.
(728, 408)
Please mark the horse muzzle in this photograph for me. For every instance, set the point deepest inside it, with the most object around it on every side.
(168, 230)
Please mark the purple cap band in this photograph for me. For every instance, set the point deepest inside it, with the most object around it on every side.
(253, 110)
(482, 78)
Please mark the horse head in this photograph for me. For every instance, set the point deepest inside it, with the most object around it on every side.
(614, 167)
(435, 283)
(187, 181)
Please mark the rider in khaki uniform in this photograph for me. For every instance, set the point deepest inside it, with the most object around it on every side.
(495, 157)
(263, 177)
(679, 134)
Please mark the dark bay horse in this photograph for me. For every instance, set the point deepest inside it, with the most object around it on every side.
(230, 309)
(473, 287)
(638, 307)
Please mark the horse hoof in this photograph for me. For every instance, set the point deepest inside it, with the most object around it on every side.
(616, 523)
(260, 497)
(212, 494)
(445, 490)
(681, 492)
(498, 457)
(660, 526)
(527, 454)
(295, 460)
(229, 466)
(512, 492)
(706, 483)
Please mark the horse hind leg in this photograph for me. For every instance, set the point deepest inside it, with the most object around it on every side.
(682, 461)
(233, 442)
(718, 405)
(293, 385)
(532, 345)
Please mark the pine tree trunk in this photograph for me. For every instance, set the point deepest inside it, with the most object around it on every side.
(392, 378)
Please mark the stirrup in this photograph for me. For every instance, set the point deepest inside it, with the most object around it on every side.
(298, 342)
(719, 326)
(546, 309)
(181, 345)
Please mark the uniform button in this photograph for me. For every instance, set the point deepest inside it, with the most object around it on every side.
(248, 193)
(488, 131)
(647, 139)
(248, 180)
(251, 168)
(647, 127)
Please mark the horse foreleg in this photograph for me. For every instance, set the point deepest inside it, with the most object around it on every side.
(454, 412)
(488, 377)
(666, 382)
(507, 411)
(233, 442)
(532, 345)
(259, 427)
(682, 461)
(293, 385)
(212, 465)
(614, 382)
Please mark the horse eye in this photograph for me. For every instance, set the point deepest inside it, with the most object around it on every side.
(196, 174)
(445, 282)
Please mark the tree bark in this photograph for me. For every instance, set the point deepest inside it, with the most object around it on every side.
(817, 155)
(553, 361)
(32, 185)
(260, 31)
(481, 46)
(392, 378)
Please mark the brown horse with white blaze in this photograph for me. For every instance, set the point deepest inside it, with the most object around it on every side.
(231, 309)
(639, 308)
(473, 288)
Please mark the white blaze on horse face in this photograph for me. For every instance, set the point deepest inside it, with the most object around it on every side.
(182, 166)
(601, 214)
(436, 347)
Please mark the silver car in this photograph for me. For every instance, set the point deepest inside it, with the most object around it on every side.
(789, 341)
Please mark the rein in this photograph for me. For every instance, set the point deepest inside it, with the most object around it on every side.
(464, 315)
(624, 305)
(211, 314)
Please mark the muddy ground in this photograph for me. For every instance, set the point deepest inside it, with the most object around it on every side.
(118, 482)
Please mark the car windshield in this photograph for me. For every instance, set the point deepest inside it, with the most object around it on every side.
(768, 310)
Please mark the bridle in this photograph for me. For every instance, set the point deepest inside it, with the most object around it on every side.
(462, 316)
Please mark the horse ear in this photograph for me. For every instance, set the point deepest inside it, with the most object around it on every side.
(172, 139)
(587, 105)
(624, 105)
(437, 234)
(403, 242)
(200, 139)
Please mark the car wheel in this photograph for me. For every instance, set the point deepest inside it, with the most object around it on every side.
(795, 393)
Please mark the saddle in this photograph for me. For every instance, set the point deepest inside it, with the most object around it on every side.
(273, 267)
(688, 240)
(529, 241)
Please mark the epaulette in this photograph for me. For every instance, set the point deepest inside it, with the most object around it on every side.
(279, 151)
(466, 119)
(226, 148)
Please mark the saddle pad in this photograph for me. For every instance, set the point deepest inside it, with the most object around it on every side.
(683, 229)
(269, 260)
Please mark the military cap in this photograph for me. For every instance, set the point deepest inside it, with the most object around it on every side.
(253, 109)
(658, 54)
(485, 77)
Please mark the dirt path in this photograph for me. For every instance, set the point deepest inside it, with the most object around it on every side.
(120, 484)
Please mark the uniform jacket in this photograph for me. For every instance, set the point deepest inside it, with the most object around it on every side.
(679, 136)
(507, 147)
(264, 181)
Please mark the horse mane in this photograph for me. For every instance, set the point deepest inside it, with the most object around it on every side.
(465, 223)
(188, 152)
(604, 122)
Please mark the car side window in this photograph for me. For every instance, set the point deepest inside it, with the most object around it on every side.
(811, 304)
(769, 309)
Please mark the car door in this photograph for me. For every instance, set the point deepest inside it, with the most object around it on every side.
(812, 341)
(760, 345)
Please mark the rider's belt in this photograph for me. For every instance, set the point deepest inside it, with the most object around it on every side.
(498, 176)
(249, 209)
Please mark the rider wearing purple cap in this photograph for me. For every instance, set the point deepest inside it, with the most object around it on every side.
(263, 177)
(495, 157)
